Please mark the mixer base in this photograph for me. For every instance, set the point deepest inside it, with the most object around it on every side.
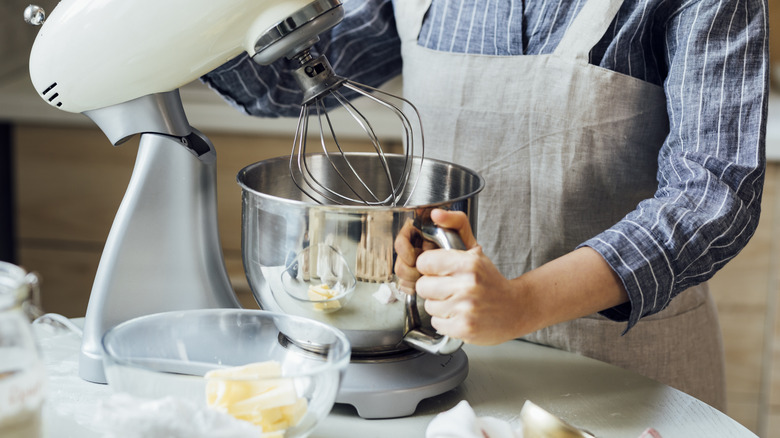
(392, 389)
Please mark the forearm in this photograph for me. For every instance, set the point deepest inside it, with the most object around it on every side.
(711, 166)
(468, 298)
(577, 284)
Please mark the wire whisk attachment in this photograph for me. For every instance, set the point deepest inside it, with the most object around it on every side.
(344, 177)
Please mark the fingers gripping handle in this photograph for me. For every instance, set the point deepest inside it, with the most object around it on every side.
(428, 342)
(417, 336)
(444, 237)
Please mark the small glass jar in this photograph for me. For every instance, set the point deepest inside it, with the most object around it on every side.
(22, 372)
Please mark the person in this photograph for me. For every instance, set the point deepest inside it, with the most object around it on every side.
(623, 148)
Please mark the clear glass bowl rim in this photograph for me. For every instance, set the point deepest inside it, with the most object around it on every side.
(341, 356)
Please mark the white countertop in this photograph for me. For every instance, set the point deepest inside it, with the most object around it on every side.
(603, 399)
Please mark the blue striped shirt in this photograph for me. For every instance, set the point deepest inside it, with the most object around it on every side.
(710, 56)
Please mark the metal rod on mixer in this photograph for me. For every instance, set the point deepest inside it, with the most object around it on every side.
(358, 116)
(409, 142)
(308, 180)
(299, 143)
(341, 182)
(363, 122)
(302, 121)
(320, 112)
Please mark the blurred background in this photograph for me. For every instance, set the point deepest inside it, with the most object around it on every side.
(61, 182)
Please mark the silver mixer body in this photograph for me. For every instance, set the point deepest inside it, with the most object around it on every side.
(121, 64)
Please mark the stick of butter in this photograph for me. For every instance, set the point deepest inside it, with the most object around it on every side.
(323, 293)
(258, 394)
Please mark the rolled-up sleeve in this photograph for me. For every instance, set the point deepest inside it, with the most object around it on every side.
(364, 47)
(711, 166)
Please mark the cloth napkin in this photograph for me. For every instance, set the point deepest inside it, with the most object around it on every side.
(462, 422)
(125, 416)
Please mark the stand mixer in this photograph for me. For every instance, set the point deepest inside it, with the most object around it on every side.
(163, 251)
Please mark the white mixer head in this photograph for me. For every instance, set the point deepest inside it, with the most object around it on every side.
(92, 54)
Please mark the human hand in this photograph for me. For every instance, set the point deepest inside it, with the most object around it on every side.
(469, 299)
(409, 244)
(466, 296)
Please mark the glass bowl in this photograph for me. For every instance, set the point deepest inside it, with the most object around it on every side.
(279, 372)
(318, 278)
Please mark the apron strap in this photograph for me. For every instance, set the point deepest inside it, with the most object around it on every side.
(587, 29)
(583, 34)
(409, 18)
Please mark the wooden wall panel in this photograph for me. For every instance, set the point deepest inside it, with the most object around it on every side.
(69, 183)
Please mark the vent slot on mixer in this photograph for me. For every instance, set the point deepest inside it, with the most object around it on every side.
(53, 96)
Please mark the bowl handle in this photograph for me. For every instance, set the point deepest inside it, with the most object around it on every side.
(427, 340)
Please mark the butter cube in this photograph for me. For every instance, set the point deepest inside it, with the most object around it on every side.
(295, 412)
(231, 385)
(269, 402)
(281, 394)
(323, 293)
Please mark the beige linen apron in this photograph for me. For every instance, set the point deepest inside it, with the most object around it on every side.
(567, 150)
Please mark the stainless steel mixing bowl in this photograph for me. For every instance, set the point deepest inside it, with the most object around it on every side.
(293, 245)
